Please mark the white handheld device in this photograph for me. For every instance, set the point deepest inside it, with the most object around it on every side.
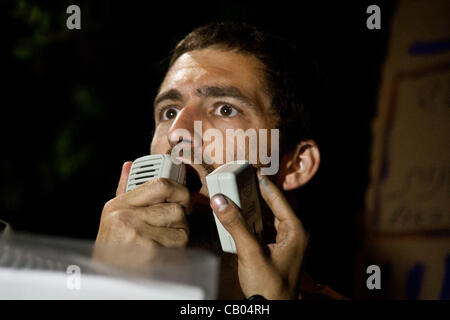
(155, 166)
(237, 181)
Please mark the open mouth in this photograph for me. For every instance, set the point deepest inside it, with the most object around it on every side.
(193, 181)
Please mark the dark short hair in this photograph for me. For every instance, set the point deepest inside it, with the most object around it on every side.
(292, 78)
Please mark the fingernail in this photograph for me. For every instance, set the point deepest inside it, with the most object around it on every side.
(219, 203)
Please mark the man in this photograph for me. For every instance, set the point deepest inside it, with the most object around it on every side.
(228, 76)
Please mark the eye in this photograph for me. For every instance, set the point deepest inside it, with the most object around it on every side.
(169, 113)
(226, 110)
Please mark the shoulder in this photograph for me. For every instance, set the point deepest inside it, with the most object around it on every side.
(311, 290)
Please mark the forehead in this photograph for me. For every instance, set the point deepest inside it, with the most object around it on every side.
(214, 66)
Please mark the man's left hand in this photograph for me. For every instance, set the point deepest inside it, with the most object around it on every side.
(274, 275)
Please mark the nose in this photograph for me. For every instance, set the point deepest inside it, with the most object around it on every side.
(183, 128)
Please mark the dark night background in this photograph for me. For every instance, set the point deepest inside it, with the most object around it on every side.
(77, 104)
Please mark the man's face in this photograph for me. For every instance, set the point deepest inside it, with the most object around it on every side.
(223, 90)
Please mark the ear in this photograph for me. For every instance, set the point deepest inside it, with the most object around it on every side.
(299, 165)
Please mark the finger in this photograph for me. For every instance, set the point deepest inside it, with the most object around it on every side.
(158, 191)
(275, 200)
(122, 187)
(229, 214)
(169, 215)
(167, 237)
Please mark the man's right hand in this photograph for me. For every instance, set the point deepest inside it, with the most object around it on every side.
(150, 215)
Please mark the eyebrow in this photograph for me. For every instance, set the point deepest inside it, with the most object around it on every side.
(206, 91)
(172, 94)
(222, 91)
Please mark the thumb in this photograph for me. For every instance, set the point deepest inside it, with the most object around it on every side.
(230, 216)
(122, 187)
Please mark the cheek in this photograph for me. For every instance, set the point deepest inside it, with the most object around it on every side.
(160, 144)
(243, 147)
